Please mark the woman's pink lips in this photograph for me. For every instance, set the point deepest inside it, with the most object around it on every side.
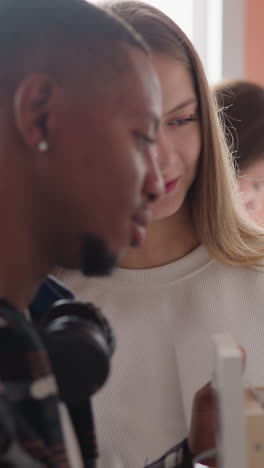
(170, 185)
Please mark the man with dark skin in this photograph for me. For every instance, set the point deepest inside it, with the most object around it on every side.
(73, 144)
(79, 114)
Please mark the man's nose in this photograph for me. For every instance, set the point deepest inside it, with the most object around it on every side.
(154, 184)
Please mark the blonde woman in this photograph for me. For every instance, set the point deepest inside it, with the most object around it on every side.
(196, 274)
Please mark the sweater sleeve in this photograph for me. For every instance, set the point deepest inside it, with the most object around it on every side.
(177, 457)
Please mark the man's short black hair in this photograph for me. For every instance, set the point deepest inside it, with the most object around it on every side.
(34, 34)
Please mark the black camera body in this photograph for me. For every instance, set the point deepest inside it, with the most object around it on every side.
(80, 344)
(78, 338)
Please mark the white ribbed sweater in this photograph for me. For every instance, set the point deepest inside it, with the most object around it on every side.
(163, 319)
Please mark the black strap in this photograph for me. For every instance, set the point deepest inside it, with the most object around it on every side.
(178, 457)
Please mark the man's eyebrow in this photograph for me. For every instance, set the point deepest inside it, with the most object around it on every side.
(150, 116)
(182, 105)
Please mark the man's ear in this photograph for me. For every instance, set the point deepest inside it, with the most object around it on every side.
(33, 109)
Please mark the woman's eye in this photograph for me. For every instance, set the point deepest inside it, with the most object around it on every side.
(181, 122)
(258, 185)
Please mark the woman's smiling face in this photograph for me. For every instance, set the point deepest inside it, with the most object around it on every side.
(179, 140)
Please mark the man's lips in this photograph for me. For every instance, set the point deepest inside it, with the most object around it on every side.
(142, 217)
(139, 222)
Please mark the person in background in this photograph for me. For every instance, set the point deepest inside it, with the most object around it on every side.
(196, 274)
(241, 105)
(77, 176)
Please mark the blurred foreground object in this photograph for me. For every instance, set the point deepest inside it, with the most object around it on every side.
(240, 441)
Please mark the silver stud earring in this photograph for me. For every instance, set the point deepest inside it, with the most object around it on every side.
(43, 146)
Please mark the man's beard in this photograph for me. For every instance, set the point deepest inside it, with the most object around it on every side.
(96, 259)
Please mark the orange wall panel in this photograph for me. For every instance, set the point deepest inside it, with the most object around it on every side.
(254, 40)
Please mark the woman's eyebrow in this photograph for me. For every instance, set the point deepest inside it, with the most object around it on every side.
(183, 104)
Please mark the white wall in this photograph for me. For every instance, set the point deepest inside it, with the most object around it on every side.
(233, 59)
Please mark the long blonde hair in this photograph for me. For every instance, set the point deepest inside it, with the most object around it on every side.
(218, 215)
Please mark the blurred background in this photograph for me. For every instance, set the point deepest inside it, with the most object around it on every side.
(228, 34)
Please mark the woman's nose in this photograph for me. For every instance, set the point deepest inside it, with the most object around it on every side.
(165, 153)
